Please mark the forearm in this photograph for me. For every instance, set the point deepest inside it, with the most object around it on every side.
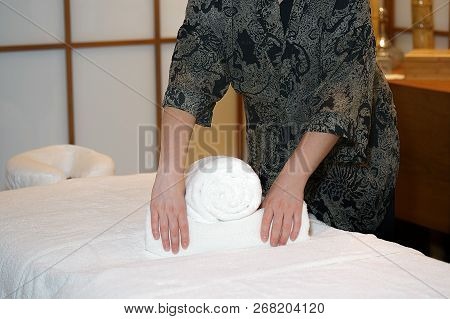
(168, 207)
(176, 131)
(310, 152)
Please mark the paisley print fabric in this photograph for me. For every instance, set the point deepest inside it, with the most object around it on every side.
(317, 73)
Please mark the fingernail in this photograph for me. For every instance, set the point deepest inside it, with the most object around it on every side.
(184, 244)
(264, 238)
(166, 248)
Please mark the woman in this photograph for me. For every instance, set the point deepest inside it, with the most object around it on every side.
(321, 123)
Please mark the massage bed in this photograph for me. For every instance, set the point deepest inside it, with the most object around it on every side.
(84, 238)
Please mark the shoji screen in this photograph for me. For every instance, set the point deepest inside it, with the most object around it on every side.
(114, 93)
(114, 86)
(403, 21)
(31, 22)
(103, 20)
(172, 15)
(33, 104)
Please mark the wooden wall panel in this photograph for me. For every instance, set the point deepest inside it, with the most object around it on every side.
(423, 186)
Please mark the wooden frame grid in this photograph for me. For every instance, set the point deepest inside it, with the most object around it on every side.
(69, 45)
(393, 29)
(156, 41)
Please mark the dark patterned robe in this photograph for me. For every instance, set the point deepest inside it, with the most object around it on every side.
(319, 74)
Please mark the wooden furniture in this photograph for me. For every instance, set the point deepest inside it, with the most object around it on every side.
(426, 64)
(423, 185)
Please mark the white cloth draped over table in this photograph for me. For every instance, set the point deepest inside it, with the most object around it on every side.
(55, 163)
(222, 198)
(83, 238)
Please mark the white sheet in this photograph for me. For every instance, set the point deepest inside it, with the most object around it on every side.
(83, 238)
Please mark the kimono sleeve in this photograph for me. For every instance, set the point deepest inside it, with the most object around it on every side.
(198, 76)
(342, 103)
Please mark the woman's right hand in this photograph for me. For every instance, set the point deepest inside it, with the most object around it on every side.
(168, 207)
(168, 212)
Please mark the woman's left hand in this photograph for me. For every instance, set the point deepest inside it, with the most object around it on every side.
(283, 210)
(284, 202)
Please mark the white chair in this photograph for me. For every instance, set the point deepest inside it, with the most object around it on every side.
(52, 164)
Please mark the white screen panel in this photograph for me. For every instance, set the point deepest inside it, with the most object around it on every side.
(403, 16)
(172, 16)
(402, 10)
(440, 42)
(166, 59)
(101, 20)
(114, 93)
(33, 103)
(404, 41)
(441, 14)
(31, 21)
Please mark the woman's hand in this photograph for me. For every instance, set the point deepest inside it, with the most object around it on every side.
(168, 207)
(284, 202)
(168, 213)
(283, 210)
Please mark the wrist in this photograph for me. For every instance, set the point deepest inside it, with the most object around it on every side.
(170, 179)
(170, 169)
(295, 173)
(292, 181)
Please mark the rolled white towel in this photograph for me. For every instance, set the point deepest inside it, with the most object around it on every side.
(222, 197)
(221, 188)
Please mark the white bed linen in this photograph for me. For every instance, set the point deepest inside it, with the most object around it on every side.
(84, 238)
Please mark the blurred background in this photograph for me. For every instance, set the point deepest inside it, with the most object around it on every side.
(92, 72)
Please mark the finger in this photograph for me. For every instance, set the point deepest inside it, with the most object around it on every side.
(164, 230)
(265, 224)
(276, 229)
(297, 225)
(286, 229)
(155, 223)
(184, 230)
(174, 234)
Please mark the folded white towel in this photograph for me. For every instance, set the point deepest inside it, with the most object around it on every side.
(222, 197)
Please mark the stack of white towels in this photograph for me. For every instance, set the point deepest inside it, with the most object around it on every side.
(222, 198)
